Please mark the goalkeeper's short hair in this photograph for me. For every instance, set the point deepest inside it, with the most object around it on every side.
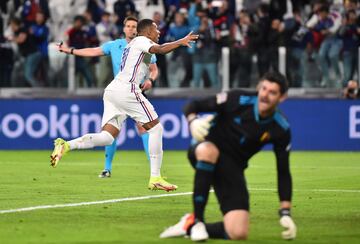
(277, 78)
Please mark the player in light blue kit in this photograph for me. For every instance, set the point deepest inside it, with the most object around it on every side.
(115, 50)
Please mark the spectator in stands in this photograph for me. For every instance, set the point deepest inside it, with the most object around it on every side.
(161, 58)
(28, 49)
(241, 50)
(251, 6)
(78, 38)
(178, 30)
(219, 13)
(298, 41)
(31, 7)
(205, 57)
(263, 29)
(349, 33)
(106, 31)
(92, 41)
(352, 90)
(326, 24)
(351, 5)
(96, 8)
(283, 9)
(170, 10)
(90, 28)
(6, 60)
(275, 40)
(40, 31)
(151, 7)
(123, 9)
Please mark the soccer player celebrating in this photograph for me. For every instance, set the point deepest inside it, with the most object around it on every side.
(115, 50)
(244, 123)
(123, 98)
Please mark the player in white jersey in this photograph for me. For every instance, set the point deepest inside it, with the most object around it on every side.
(123, 98)
(115, 50)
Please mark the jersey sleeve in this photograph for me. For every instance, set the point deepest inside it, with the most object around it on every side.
(282, 152)
(153, 59)
(217, 103)
(144, 44)
(106, 48)
(239, 97)
(209, 104)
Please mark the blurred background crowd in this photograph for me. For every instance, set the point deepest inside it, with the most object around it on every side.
(321, 39)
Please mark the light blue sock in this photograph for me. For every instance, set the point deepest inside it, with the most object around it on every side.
(145, 139)
(109, 155)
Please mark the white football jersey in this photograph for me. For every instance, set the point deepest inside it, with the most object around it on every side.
(134, 64)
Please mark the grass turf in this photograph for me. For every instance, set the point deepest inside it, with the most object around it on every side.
(326, 198)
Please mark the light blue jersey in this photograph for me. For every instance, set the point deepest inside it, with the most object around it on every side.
(115, 50)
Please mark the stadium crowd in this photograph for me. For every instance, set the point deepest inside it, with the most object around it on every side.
(321, 39)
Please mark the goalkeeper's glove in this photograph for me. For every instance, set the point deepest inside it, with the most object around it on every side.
(286, 221)
(199, 127)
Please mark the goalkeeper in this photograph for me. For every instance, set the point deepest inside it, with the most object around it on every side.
(243, 124)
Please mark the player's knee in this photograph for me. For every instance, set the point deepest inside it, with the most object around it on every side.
(158, 129)
(207, 151)
(141, 130)
(236, 223)
(106, 138)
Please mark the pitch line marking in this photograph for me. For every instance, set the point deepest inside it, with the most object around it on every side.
(127, 199)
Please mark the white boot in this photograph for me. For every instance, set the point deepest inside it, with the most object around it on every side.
(198, 232)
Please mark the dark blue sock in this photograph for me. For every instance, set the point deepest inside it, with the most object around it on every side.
(203, 179)
(217, 231)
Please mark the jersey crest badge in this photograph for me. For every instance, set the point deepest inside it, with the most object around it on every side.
(265, 137)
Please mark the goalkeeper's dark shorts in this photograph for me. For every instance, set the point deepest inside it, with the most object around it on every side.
(229, 182)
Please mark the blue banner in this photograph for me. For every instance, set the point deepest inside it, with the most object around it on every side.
(317, 124)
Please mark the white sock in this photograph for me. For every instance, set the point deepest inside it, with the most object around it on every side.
(155, 149)
(103, 138)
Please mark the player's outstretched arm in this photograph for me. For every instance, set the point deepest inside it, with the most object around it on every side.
(170, 46)
(83, 52)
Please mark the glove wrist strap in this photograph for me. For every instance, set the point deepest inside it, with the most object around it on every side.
(284, 212)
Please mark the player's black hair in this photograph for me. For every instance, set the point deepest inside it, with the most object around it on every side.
(278, 79)
(144, 24)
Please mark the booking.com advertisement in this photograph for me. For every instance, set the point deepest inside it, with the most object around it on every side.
(320, 124)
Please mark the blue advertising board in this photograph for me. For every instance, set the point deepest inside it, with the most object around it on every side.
(317, 124)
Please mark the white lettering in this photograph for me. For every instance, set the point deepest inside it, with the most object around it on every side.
(75, 120)
(354, 121)
(58, 124)
(87, 120)
(175, 125)
(19, 125)
(184, 127)
(29, 125)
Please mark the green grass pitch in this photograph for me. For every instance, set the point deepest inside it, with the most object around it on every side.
(326, 198)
